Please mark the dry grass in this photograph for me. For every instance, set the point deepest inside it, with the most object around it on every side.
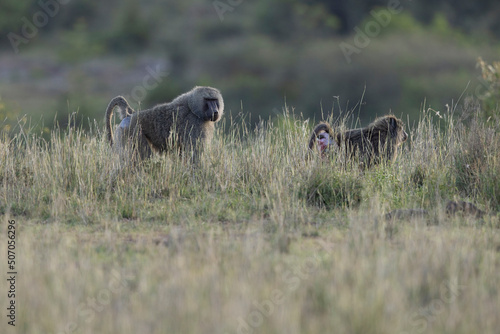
(256, 239)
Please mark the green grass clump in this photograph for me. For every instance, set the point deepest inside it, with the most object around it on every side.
(330, 187)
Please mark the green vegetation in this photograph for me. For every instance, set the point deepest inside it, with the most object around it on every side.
(257, 53)
(489, 90)
(256, 237)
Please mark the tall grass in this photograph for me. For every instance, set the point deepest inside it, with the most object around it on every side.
(256, 237)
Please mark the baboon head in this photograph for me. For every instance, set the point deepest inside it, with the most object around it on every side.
(395, 129)
(324, 141)
(322, 138)
(206, 103)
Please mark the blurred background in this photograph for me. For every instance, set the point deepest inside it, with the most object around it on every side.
(316, 57)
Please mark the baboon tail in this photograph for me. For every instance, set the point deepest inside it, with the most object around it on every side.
(125, 111)
(320, 127)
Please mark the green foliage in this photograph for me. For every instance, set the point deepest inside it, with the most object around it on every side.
(259, 63)
(74, 11)
(440, 26)
(330, 188)
(7, 117)
(293, 20)
(405, 22)
(476, 160)
(462, 15)
(77, 44)
(317, 18)
(490, 90)
(132, 31)
(275, 18)
(11, 12)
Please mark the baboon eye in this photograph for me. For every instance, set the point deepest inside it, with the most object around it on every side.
(212, 104)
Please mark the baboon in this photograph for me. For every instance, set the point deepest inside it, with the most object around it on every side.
(379, 140)
(186, 124)
(323, 136)
(464, 208)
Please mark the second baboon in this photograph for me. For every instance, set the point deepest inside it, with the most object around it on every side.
(381, 138)
(378, 141)
(186, 124)
(464, 208)
(322, 136)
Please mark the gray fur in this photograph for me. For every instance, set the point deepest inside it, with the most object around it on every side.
(124, 111)
(183, 124)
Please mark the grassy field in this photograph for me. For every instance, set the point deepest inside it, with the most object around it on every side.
(255, 238)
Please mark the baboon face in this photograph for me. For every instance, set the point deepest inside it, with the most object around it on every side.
(324, 140)
(211, 110)
(396, 128)
(206, 103)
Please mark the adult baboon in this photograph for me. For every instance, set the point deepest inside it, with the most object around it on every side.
(380, 139)
(183, 124)
(322, 136)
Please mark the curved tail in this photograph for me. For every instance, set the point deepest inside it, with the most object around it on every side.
(124, 111)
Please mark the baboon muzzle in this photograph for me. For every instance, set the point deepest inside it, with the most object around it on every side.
(213, 109)
(405, 136)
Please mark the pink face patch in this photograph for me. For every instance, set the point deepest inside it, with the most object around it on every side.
(323, 141)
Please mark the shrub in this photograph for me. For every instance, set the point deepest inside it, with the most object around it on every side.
(328, 188)
(490, 98)
(476, 159)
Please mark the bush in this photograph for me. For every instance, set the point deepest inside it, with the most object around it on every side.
(490, 98)
(475, 158)
(132, 31)
(327, 188)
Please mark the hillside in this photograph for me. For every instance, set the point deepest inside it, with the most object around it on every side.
(316, 60)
